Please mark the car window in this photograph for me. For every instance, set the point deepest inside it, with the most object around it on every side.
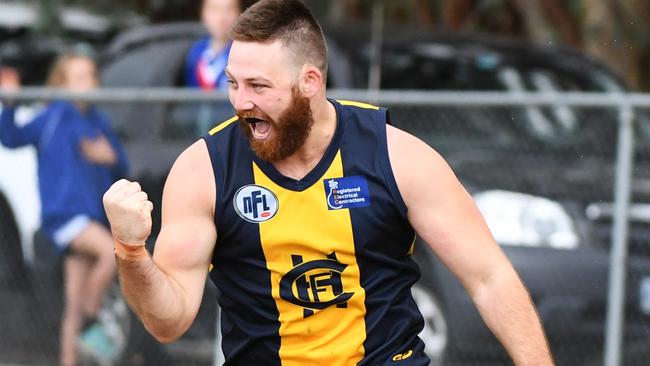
(555, 129)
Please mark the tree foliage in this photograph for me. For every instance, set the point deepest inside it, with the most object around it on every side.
(615, 31)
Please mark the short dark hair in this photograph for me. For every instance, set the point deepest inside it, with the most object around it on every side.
(289, 21)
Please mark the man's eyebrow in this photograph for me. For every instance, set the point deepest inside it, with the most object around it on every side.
(249, 80)
(259, 79)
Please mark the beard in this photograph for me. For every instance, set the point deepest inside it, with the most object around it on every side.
(290, 131)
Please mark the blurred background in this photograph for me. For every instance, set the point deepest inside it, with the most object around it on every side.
(538, 105)
(614, 31)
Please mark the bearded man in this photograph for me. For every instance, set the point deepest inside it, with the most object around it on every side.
(306, 209)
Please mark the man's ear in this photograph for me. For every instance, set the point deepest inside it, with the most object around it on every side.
(311, 80)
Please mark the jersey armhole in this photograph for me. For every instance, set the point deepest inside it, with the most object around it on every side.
(389, 177)
(217, 168)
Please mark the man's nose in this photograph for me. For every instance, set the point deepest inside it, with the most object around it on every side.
(241, 101)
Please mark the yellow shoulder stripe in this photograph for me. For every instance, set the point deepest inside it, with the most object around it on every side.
(358, 104)
(223, 125)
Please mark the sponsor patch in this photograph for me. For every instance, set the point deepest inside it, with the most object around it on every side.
(346, 192)
(255, 203)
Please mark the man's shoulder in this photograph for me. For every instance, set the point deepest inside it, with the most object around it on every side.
(407, 149)
(198, 47)
(195, 155)
(401, 140)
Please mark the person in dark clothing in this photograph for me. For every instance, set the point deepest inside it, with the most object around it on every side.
(79, 157)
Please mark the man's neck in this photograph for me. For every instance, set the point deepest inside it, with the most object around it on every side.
(307, 157)
(216, 45)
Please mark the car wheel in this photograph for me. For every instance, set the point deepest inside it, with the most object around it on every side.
(435, 332)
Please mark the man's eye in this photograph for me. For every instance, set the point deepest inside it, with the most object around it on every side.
(258, 86)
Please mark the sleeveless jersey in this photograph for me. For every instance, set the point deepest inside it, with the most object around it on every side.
(315, 271)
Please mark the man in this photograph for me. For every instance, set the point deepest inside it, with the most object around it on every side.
(207, 59)
(307, 208)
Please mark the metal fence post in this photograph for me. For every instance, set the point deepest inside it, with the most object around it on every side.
(374, 72)
(618, 253)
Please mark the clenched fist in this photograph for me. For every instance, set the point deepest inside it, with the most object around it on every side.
(129, 211)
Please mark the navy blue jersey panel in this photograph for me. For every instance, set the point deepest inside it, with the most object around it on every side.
(250, 323)
(383, 238)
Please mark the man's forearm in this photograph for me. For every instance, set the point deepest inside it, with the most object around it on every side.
(508, 311)
(154, 296)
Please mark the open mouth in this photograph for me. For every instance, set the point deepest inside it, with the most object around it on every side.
(260, 127)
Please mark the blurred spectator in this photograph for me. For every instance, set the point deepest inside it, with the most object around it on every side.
(205, 64)
(79, 157)
(208, 57)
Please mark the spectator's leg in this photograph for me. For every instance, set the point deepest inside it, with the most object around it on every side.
(76, 268)
(96, 241)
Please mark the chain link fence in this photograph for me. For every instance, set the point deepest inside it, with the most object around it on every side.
(548, 172)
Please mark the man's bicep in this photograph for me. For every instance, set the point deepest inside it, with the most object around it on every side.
(447, 219)
(188, 233)
(442, 212)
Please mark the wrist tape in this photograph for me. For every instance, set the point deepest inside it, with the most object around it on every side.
(131, 253)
